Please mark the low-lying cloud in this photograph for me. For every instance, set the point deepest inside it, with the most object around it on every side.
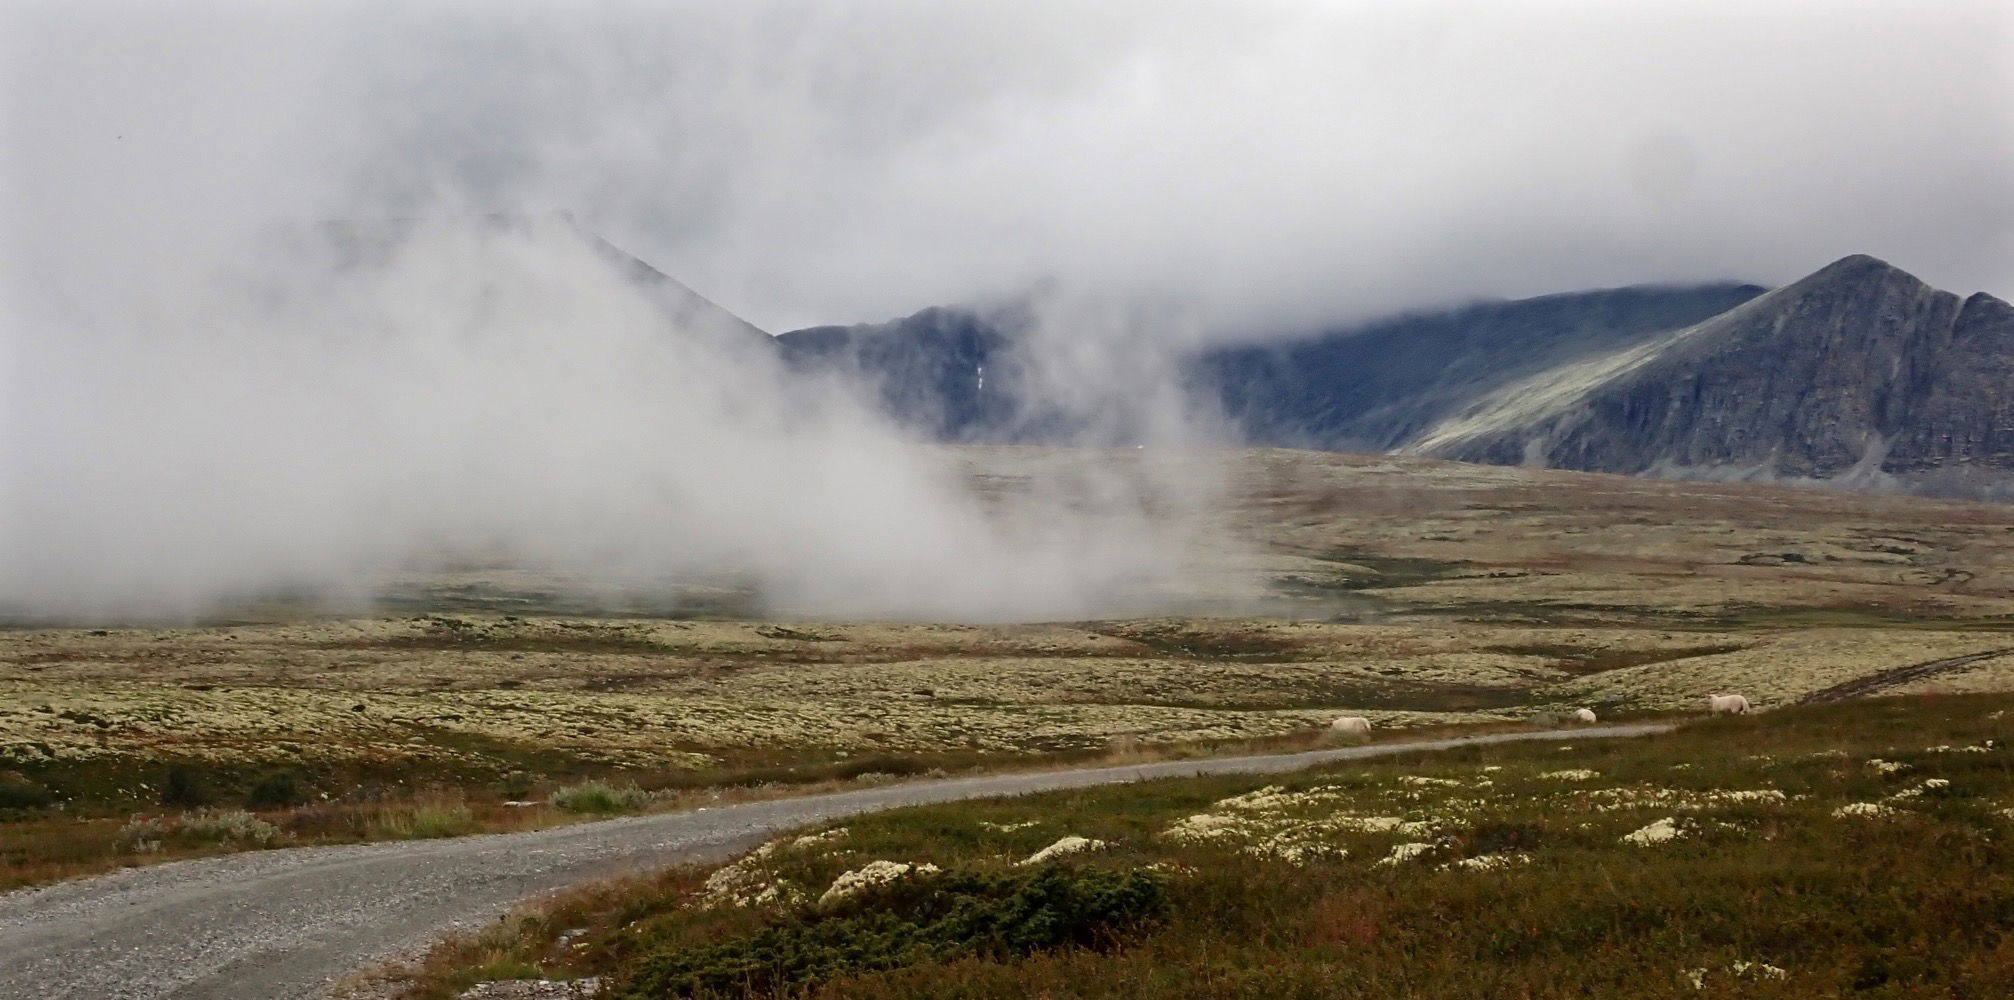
(187, 421)
(495, 394)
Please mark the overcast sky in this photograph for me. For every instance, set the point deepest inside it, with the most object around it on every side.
(183, 424)
(1267, 163)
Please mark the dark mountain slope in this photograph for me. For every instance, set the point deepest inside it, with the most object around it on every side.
(1374, 388)
(928, 370)
(1859, 374)
(1367, 388)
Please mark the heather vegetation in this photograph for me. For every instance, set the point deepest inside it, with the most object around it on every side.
(1860, 849)
(1420, 596)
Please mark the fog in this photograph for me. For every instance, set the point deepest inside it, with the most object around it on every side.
(493, 396)
(1266, 164)
(202, 406)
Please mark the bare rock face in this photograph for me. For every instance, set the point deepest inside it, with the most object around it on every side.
(1859, 375)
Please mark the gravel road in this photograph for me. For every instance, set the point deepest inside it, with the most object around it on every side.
(267, 925)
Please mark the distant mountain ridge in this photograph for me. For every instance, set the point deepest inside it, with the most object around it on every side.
(1375, 387)
(1858, 376)
(926, 370)
(352, 247)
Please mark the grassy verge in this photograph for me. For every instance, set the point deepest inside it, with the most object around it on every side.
(202, 810)
(1863, 849)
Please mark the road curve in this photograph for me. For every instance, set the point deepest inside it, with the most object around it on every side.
(266, 925)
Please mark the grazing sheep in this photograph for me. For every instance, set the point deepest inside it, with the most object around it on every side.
(1583, 715)
(1354, 725)
(1727, 704)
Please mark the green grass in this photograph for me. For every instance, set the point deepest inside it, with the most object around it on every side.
(1917, 904)
(423, 820)
(600, 797)
(932, 920)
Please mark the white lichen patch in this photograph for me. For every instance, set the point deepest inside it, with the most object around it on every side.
(1405, 852)
(1986, 747)
(1863, 810)
(1206, 827)
(1298, 846)
(1571, 774)
(1489, 862)
(1731, 796)
(815, 839)
(1300, 826)
(1921, 789)
(747, 882)
(872, 874)
(1880, 766)
(1603, 800)
(1758, 970)
(1066, 846)
(1659, 832)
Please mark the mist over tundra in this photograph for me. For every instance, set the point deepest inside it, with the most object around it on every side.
(495, 393)
(201, 406)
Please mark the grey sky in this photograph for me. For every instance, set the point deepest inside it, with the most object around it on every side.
(1267, 162)
(188, 417)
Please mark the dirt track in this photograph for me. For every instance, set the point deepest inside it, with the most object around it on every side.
(1861, 686)
(286, 924)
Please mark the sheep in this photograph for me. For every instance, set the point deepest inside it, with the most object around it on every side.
(1583, 715)
(1353, 725)
(1727, 704)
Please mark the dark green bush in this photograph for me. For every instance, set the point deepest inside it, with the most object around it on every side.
(910, 922)
(881, 763)
(20, 793)
(183, 788)
(1498, 837)
(275, 790)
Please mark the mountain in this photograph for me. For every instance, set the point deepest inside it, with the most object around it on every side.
(1366, 388)
(496, 249)
(1373, 388)
(1859, 375)
(928, 371)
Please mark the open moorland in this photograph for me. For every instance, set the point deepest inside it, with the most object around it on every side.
(1859, 848)
(1416, 593)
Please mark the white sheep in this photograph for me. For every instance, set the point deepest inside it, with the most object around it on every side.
(1583, 715)
(1354, 725)
(1727, 704)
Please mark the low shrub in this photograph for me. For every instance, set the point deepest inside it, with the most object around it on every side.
(146, 834)
(20, 793)
(182, 788)
(423, 821)
(141, 835)
(600, 797)
(955, 914)
(892, 765)
(274, 790)
(234, 826)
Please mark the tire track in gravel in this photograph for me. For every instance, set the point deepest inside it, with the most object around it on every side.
(268, 925)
